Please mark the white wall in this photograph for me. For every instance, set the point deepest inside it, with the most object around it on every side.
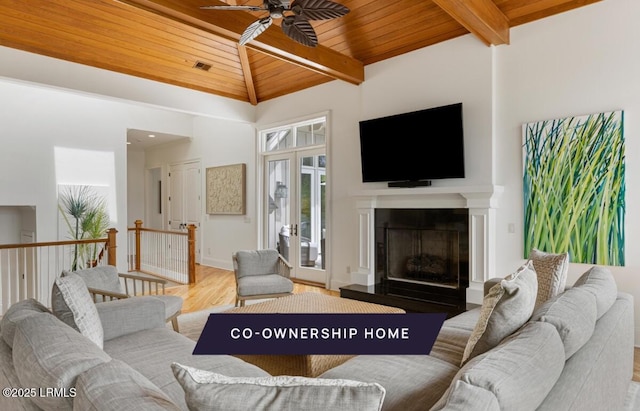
(34, 120)
(581, 62)
(136, 187)
(218, 143)
(10, 224)
(455, 71)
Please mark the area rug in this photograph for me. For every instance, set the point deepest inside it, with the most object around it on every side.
(192, 324)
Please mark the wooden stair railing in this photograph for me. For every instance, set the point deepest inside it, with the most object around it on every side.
(164, 253)
(28, 270)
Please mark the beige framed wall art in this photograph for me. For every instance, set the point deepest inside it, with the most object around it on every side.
(226, 189)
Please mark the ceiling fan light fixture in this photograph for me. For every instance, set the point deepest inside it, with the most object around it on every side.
(296, 26)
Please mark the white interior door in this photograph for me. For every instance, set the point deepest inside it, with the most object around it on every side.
(295, 209)
(184, 200)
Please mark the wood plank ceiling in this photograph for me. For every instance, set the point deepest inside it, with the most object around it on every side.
(166, 40)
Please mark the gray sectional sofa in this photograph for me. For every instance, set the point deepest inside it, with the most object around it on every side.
(575, 353)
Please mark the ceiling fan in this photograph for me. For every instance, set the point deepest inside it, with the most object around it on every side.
(295, 25)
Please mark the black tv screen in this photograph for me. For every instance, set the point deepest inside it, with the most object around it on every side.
(421, 145)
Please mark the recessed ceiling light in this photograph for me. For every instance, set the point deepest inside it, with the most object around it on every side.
(152, 135)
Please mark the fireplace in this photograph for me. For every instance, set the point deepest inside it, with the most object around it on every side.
(423, 253)
(466, 226)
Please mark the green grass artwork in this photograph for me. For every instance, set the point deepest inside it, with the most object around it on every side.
(574, 187)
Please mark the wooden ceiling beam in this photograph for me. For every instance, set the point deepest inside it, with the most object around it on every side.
(481, 17)
(248, 76)
(272, 42)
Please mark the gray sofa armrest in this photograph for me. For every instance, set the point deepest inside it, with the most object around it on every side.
(126, 316)
(490, 283)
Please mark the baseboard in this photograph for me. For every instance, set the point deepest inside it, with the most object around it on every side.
(335, 284)
(212, 262)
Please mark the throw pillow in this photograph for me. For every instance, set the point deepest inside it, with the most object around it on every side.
(552, 273)
(206, 390)
(72, 304)
(506, 307)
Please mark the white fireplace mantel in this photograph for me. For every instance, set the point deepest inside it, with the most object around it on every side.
(482, 202)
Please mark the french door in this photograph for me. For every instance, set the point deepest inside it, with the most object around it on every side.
(295, 210)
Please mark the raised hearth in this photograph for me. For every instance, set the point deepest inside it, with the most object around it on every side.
(413, 301)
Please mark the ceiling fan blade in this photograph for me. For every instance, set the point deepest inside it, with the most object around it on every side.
(318, 9)
(245, 8)
(299, 29)
(279, 3)
(255, 29)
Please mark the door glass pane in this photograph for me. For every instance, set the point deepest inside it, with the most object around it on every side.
(311, 211)
(278, 206)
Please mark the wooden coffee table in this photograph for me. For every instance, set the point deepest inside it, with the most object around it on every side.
(310, 302)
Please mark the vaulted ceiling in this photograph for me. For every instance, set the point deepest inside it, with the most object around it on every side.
(175, 42)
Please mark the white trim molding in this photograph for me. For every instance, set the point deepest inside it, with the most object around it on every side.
(482, 203)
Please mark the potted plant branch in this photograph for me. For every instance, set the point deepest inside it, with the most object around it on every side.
(85, 214)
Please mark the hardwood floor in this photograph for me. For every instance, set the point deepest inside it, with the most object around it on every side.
(215, 286)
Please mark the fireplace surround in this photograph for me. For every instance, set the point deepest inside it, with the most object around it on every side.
(416, 288)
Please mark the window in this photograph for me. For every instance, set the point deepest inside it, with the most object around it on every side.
(303, 134)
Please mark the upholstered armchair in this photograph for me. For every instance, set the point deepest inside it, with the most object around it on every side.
(106, 284)
(261, 274)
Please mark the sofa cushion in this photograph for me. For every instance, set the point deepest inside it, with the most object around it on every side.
(453, 337)
(205, 390)
(17, 312)
(264, 284)
(114, 386)
(72, 303)
(506, 307)
(599, 281)
(48, 353)
(573, 313)
(597, 377)
(412, 382)
(552, 273)
(151, 352)
(464, 397)
(129, 315)
(519, 372)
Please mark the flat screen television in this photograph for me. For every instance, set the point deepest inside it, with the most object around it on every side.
(413, 148)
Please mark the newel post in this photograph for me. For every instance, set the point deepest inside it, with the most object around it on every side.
(138, 224)
(191, 240)
(111, 246)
